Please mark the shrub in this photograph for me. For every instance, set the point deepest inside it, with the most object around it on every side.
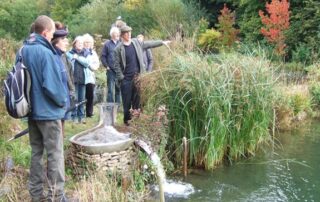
(315, 92)
(96, 16)
(174, 16)
(210, 40)
(143, 16)
(276, 23)
(314, 80)
(222, 104)
(301, 53)
(300, 103)
(225, 26)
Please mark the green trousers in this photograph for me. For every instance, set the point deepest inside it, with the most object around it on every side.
(46, 136)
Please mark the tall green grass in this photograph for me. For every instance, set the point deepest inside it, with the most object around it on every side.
(222, 104)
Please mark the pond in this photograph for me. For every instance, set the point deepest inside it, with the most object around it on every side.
(289, 172)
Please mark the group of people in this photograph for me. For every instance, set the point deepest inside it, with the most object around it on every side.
(125, 58)
(84, 61)
(60, 76)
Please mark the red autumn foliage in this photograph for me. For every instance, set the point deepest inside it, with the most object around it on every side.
(276, 22)
(225, 26)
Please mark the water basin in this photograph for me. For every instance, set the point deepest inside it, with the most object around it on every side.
(103, 138)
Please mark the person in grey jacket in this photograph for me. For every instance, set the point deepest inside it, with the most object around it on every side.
(48, 100)
(147, 55)
(128, 64)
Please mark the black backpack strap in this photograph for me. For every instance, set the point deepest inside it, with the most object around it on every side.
(20, 54)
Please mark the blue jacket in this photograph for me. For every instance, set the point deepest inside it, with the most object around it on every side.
(94, 63)
(79, 65)
(48, 94)
(107, 53)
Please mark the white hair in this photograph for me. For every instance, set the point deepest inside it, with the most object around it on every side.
(78, 38)
(88, 37)
(114, 30)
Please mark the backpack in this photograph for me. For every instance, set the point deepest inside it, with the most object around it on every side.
(17, 89)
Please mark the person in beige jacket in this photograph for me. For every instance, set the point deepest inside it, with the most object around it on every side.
(128, 64)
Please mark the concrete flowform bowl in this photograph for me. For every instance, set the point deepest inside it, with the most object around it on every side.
(100, 148)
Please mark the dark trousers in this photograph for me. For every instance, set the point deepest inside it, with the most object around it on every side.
(78, 113)
(113, 89)
(130, 98)
(89, 97)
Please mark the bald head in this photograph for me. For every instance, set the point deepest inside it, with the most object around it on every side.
(44, 26)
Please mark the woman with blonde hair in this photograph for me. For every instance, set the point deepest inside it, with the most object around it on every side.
(77, 55)
(90, 78)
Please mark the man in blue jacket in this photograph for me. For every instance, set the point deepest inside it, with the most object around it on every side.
(48, 99)
(107, 61)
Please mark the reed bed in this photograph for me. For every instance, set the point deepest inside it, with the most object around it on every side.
(221, 103)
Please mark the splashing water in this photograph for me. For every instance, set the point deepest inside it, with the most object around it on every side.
(177, 189)
(168, 187)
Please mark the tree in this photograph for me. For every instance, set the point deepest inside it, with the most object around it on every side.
(304, 34)
(16, 17)
(95, 17)
(63, 10)
(226, 26)
(276, 23)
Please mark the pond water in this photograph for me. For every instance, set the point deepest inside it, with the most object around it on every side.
(289, 172)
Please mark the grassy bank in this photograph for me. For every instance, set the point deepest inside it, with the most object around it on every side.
(222, 104)
(96, 186)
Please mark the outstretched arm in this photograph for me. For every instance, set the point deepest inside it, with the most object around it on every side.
(154, 44)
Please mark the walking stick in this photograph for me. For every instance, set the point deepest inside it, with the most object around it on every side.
(26, 131)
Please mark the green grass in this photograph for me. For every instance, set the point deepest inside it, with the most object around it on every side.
(222, 104)
(97, 186)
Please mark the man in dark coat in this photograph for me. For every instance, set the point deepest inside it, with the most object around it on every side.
(128, 64)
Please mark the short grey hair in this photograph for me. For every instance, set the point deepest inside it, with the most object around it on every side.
(113, 30)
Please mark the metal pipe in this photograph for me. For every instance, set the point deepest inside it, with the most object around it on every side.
(157, 163)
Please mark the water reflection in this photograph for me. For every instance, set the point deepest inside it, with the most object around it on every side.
(288, 173)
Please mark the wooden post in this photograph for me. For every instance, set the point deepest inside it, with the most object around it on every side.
(185, 160)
